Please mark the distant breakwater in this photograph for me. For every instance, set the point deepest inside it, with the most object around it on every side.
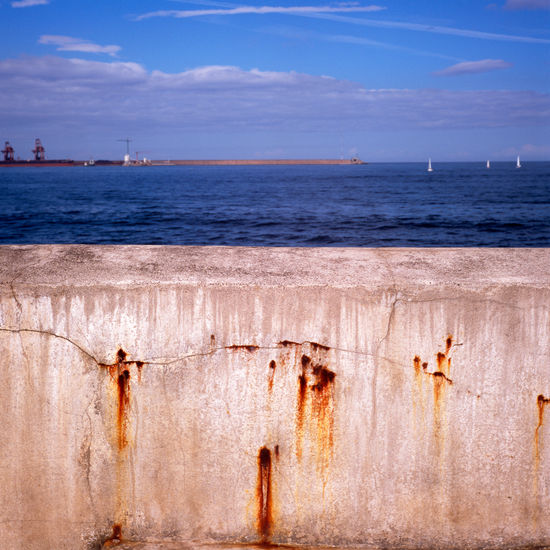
(226, 162)
(255, 162)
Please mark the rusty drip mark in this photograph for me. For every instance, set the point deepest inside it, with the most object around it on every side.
(123, 407)
(323, 375)
(116, 537)
(416, 362)
(443, 359)
(300, 411)
(139, 366)
(323, 406)
(321, 402)
(438, 382)
(541, 403)
(264, 497)
(272, 367)
(440, 378)
(121, 355)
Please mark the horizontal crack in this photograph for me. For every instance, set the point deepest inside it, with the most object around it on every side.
(53, 335)
(248, 348)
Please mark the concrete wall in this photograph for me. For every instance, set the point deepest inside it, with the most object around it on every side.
(392, 397)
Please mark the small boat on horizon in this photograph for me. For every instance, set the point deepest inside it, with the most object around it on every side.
(488, 164)
(518, 163)
(430, 169)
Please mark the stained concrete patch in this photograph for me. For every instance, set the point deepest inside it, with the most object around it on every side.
(392, 398)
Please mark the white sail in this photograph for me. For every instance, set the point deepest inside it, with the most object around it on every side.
(430, 169)
(488, 164)
(518, 163)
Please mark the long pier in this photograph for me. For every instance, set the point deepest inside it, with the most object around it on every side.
(255, 162)
(205, 162)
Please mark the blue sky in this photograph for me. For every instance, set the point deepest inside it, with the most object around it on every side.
(388, 80)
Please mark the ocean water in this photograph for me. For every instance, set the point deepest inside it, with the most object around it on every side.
(401, 204)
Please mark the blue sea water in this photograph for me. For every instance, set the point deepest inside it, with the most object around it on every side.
(401, 204)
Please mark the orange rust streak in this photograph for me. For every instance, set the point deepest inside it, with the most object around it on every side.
(139, 366)
(541, 403)
(449, 343)
(123, 407)
(272, 367)
(263, 493)
(300, 412)
(438, 382)
(323, 411)
(416, 362)
(116, 537)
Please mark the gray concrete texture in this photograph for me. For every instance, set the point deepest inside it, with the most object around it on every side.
(209, 395)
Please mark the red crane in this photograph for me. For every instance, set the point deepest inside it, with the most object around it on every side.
(8, 152)
(39, 151)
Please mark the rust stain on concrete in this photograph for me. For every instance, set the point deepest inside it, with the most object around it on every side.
(541, 404)
(301, 405)
(440, 381)
(116, 537)
(249, 349)
(315, 404)
(264, 519)
(323, 409)
(271, 375)
(123, 408)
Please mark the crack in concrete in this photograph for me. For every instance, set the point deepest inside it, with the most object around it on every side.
(251, 349)
(53, 335)
(375, 367)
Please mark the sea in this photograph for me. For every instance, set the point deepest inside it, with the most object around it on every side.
(369, 205)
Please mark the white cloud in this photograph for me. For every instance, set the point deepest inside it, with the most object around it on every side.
(333, 13)
(527, 5)
(70, 44)
(436, 29)
(474, 67)
(109, 97)
(29, 3)
(260, 10)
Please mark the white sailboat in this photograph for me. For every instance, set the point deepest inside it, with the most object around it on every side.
(518, 163)
(430, 169)
(488, 164)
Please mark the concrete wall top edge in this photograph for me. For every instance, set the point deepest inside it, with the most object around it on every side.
(86, 265)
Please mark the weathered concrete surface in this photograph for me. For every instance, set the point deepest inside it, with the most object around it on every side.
(392, 397)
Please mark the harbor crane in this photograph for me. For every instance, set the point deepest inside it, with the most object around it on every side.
(39, 151)
(8, 152)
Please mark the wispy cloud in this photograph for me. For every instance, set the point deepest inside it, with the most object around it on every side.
(466, 33)
(71, 44)
(29, 3)
(473, 67)
(289, 32)
(261, 10)
(334, 13)
(527, 5)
